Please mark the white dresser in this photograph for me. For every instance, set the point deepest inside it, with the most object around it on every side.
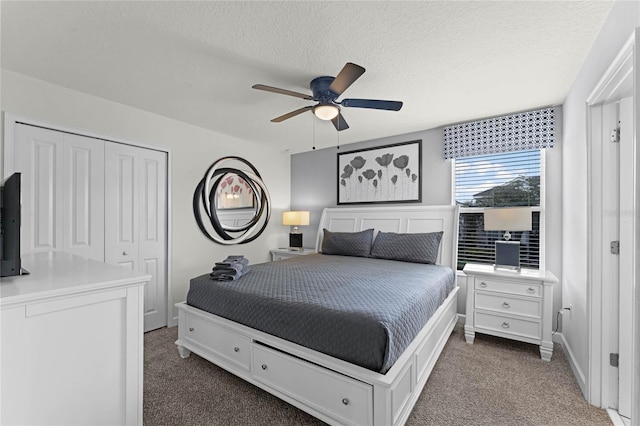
(513, 305)
(72, 343)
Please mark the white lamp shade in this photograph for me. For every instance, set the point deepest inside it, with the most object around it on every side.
(295, 218)
(507, 219)
(326, 112)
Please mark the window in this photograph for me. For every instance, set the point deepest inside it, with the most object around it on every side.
(509, 179)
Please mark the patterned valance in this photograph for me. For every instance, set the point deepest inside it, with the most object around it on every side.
(516, 132)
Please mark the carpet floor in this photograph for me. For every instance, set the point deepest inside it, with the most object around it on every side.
(492, 382)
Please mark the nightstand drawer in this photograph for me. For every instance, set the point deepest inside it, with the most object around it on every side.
(283, 253)
(494, 302)
(513, 326)
(525, 289)
(278, 256)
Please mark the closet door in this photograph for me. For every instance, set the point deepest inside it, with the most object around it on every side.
(63, 184)
(152, 234)
(135, 221)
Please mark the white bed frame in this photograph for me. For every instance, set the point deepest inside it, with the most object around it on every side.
(330, 389)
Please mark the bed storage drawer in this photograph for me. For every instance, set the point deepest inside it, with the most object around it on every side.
(348, 401)
(233, 347)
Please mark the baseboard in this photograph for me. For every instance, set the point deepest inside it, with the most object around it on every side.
(577, 371)
(616, 418)
(173, 322)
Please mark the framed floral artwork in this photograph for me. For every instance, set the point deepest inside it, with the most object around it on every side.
(384, 174)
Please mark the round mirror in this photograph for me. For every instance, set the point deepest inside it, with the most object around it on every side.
(235, 200)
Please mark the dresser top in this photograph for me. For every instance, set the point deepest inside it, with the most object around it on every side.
(523, 274)
(56, 274)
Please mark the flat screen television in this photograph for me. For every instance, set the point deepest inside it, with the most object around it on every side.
(10, 227)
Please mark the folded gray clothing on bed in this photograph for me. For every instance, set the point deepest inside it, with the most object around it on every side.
(235, 257)
(228, 262)
(230, 269)
(219, 275)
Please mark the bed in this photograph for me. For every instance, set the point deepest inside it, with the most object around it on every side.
(359, 373)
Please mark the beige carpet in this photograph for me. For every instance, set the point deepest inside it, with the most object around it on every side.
(492, 382)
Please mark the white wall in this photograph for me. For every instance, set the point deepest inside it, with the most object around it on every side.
(623, 18)
(193, 150)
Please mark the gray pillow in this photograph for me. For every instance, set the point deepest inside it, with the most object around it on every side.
(416, 248)
(348, 243)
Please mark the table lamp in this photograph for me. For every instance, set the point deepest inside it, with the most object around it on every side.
(508, 219)
(295, 219)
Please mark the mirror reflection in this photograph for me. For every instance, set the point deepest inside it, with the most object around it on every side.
(235, 201)
(233, 192)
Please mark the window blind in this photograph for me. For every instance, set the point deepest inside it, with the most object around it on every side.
(509, 179)
(478, 246)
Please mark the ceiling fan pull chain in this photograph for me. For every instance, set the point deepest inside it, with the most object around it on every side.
(313, 129)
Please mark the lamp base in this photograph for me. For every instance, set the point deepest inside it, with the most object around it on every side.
(507, 255)
(295, 242)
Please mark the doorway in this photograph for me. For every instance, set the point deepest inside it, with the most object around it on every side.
(612, 381)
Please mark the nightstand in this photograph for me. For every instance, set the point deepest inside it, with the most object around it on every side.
(285, 253)
(513, 305)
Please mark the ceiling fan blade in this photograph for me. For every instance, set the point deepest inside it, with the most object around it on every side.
(281, 91)
(372, 103)
(291, 114)
(345, 78)
(339, 122)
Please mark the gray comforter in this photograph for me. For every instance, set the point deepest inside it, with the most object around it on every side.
(363, 311)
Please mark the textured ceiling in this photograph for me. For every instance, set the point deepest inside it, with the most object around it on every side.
(196, 61)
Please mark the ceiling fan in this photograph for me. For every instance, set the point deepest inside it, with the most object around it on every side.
(325, 90)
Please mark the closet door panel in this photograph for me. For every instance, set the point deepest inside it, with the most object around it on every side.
(135, 221)
(38, 156)
(84, 197)
(121, 206)
(152, 247)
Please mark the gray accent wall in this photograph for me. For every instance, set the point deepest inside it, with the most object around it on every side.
(314, 176)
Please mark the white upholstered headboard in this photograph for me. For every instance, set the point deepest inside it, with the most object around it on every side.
(410, 219)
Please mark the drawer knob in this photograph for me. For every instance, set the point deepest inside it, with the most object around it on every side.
(345, 401)
(506, 305)
(483, 284)
(505, 325)
(264, 366)
(236, 349)
(531, 290)
(190, 328)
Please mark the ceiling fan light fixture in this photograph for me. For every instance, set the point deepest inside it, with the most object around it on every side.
(326, 112)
